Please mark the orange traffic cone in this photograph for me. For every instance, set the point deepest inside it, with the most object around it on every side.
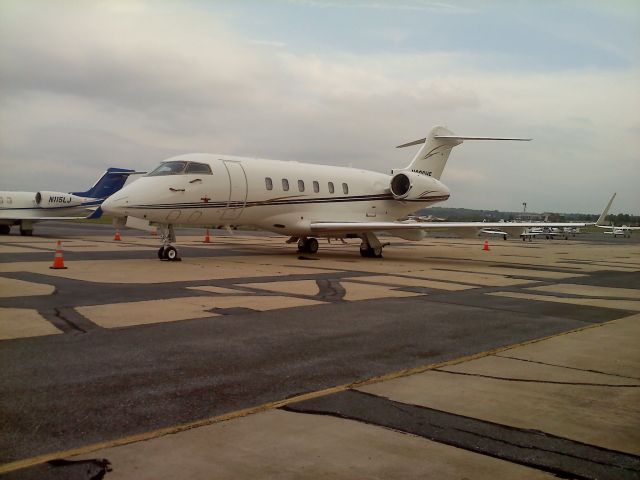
(58, 260)
(207, 238)
(486, 246)
(117, 236)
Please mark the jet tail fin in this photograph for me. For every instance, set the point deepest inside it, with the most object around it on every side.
(109, 183)
(605, 212)
(97, 213)
(433, 155)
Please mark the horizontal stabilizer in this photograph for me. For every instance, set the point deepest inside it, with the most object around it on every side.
(460, 137)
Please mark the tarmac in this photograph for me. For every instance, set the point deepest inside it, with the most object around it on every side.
(247, 359)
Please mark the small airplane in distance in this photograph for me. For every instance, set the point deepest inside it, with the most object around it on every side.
(26, 208)
(546, 232)
(493, 232)
(622, 231)
(301, 201)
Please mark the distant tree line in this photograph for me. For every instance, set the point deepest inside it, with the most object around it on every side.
(471, 215)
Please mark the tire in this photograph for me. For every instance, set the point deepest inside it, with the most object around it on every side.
(171, 254)
(26, 233)
(5, 229)
(302, 245)
(312, 245)
(161, 253)
(368, 252)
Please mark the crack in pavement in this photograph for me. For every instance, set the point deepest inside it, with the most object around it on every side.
(529, 380)
(567, 367)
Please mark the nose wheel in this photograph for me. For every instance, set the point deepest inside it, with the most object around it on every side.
(167, 251)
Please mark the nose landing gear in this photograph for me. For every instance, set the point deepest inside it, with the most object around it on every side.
(167, 251)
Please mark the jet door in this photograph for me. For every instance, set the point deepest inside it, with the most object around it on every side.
(237, 190)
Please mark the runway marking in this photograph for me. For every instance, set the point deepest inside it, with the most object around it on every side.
(83, 450)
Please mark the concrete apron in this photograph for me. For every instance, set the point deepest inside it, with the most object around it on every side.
(578, 388)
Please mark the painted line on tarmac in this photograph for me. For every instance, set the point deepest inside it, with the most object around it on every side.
(32, 461)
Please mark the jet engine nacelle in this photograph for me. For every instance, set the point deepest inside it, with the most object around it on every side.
(57, 199)
(407, 185)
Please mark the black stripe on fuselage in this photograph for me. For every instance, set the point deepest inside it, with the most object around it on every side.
(280, 201)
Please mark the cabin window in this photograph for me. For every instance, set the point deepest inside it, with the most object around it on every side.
(168, 168)
(9, 200)
(301, 185)
(199, 168)
(285, 184)
(316, 186)
(268, 183)
(331, 189)
(1, 201)
(345, 188)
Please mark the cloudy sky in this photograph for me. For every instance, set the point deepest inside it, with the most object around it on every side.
(85, 85)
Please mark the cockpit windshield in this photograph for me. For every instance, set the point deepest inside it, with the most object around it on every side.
(180, 168)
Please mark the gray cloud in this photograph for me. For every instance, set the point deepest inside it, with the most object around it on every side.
(91, 85)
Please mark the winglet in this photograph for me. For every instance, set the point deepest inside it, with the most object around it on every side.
(605, 212)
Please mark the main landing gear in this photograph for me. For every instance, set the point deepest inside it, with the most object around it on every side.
(308, 245)
(167, 251)
(371, 246)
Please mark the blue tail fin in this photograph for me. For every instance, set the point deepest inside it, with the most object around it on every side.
(109, 183)
(96, 214)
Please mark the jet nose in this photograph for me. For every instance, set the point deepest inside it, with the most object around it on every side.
(114, 205)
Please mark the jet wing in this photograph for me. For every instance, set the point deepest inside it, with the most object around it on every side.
(38, 219)
(362, 227)
(621, 228)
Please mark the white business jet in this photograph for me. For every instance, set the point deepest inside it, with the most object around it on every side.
(26, 208)
(622, 231)
(302, 201)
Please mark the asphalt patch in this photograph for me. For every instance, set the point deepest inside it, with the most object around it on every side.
(560, 456)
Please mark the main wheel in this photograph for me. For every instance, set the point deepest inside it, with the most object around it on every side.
(161, 253)
(170, 253)
(312, 245)
(26, 233)
(5, 229)
(302, 245)
(369, 252)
